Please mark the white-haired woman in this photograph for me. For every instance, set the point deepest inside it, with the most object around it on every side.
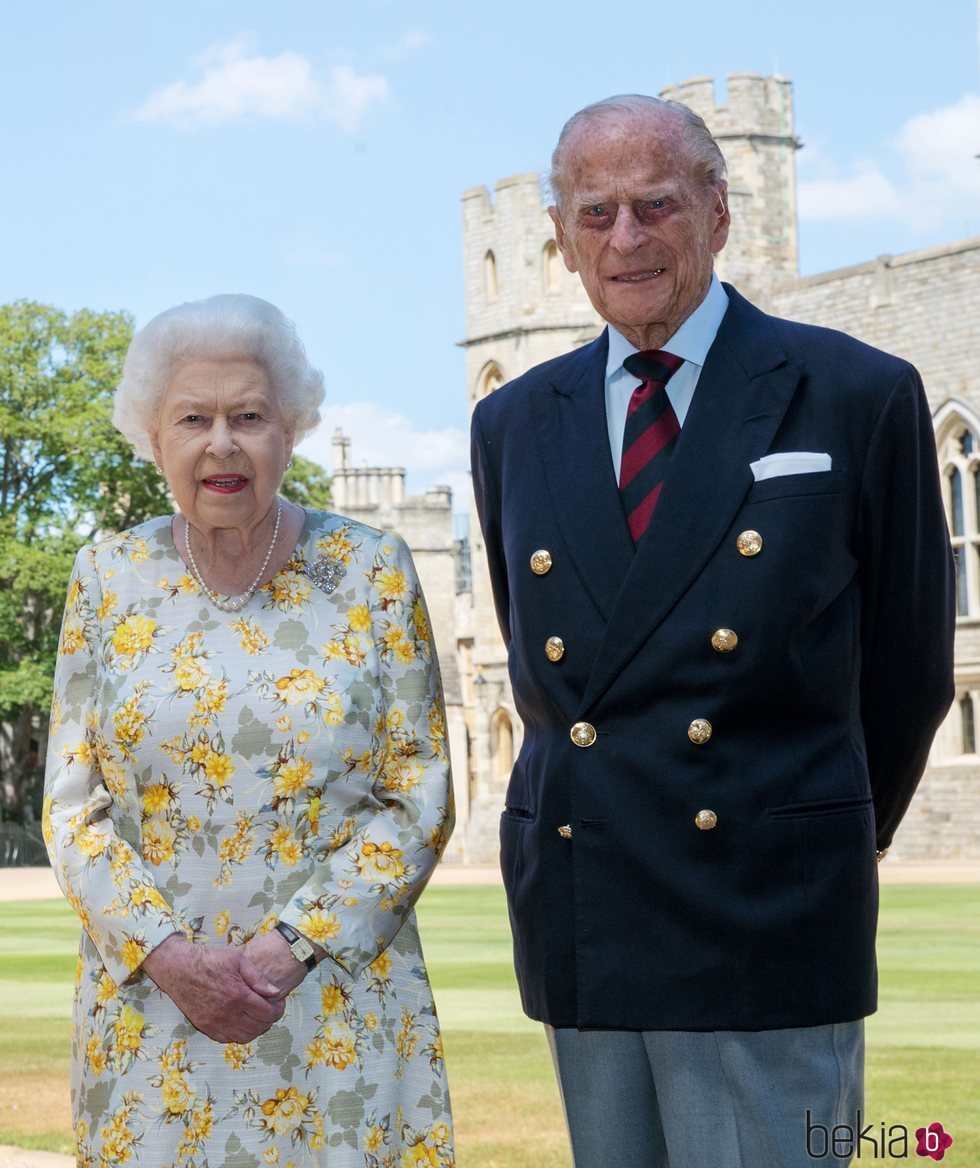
(247, 789)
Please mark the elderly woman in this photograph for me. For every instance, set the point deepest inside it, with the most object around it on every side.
(247, 789)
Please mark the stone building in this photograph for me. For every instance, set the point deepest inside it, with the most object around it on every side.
(376, 496)
(523, 307)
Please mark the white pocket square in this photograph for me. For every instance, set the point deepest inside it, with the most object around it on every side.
(790, 463)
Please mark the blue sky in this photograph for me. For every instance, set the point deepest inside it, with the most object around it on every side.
(315, 154)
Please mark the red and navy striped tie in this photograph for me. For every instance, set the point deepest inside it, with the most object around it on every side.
(650, 437)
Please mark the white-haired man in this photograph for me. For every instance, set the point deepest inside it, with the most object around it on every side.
(721, 567)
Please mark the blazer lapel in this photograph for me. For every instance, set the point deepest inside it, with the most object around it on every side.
(573, 438)
(743, 393)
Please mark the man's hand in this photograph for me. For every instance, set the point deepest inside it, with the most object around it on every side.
(209, 986)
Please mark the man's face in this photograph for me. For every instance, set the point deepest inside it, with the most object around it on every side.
(637, 227)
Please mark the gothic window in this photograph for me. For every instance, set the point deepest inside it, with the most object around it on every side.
(956, 501)
(502, 746)
(490, 379)
(490, 276)
(551, 266)
(968, 724)
(959, 458)
(956, 739)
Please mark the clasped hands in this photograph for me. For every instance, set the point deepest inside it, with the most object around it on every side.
(231, 993)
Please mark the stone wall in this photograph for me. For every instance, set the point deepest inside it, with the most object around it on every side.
(942, 822)
(923, 305)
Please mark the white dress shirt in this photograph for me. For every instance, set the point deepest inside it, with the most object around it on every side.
(691, 342)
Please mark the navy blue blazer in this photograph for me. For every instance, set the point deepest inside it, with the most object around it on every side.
(821, 717)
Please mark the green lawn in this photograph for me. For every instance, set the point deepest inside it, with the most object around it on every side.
(923, 1045)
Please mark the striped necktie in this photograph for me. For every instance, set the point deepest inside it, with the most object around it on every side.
(650, 436)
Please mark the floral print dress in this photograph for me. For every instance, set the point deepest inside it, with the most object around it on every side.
(213, 773)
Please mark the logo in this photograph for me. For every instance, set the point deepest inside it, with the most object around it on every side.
(933, 1141)
(873, 1141)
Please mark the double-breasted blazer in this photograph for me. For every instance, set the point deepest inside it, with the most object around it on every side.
(690, 828)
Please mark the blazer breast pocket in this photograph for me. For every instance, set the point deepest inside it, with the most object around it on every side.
(823, 482)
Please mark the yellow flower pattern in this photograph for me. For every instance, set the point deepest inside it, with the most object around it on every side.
(210, 774)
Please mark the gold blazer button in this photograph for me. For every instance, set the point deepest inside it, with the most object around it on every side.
(583, 734)
(554, 648)
(565, 831)
(699, 731)
(749, 543)
(541, 562)
(705, 820)
(724, 640)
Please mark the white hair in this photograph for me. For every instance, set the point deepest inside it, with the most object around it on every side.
(707, 160)
(231, 325)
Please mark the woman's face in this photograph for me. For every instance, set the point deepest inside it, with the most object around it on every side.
(222, 443)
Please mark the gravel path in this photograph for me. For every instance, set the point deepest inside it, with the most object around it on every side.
(39, 883)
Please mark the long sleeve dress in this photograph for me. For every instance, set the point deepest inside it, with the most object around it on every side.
(212, 773)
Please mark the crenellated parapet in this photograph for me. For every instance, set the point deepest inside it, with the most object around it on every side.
(522, 305)
(753, 125)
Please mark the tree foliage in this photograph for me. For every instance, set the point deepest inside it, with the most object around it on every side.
(65, 476)
(307, 484)
(65, 471)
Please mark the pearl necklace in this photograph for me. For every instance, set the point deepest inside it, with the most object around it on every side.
(233, 603)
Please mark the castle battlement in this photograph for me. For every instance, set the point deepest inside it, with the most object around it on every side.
(515, 279)
(757, 107)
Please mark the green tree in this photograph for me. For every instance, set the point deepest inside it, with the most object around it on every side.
(66, 475)
(307, 484)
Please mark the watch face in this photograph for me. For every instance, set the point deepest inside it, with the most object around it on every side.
(299, 946)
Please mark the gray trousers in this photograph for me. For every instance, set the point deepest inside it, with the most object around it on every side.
(722, 1099)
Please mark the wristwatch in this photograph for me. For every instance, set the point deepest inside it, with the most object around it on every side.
(300, 948)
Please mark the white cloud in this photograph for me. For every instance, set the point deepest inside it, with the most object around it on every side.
(383, 438)
(865, 195)
(236, 83)
(408, 42)
(939, 179)
(348, 97)
(944, 144)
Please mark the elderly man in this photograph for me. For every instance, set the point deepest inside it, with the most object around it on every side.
(721, 568)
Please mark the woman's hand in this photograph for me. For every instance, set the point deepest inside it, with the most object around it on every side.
(267, 958)
(218, 991)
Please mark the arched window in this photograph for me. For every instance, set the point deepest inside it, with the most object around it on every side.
(968, 724)
(959, 458)
(551, 266)
(502, 747)
(490, 276)
(490, 379)
(955, 501)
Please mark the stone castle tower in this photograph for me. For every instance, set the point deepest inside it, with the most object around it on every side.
(754, 129)
(523, 307)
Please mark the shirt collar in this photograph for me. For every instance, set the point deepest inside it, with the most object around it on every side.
(691, 341)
